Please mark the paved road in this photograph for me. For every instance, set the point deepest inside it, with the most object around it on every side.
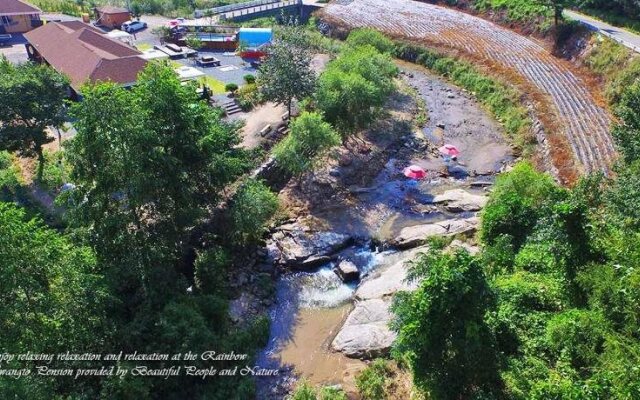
(627, 38)
(562, 98)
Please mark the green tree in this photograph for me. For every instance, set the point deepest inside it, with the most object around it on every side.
(441, 327)
(33, 100)
(170, 156)
(252, 207)
(286, 73)
(308, 141)
(147, 164)
(348, 100)
(53, 298)
(354, 87)
(517, 203)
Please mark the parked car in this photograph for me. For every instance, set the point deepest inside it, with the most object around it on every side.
(133, 26)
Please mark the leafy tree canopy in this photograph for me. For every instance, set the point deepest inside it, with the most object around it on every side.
(33, 99)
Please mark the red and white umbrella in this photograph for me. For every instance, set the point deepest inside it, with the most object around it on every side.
(449, 150)
(414, 172)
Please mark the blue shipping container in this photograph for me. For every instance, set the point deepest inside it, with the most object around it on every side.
(255, 37)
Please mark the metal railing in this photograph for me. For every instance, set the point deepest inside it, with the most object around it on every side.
(232, 7)
(261, 8)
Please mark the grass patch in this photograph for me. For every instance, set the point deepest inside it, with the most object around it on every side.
(68, 7)
(526, 13)
(143, 46)
(502, 101)
(421, 116)
(516, 10)
(216, 86)
(618, 66)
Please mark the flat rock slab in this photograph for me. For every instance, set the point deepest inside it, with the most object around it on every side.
(458, 200)
(389, 280)
(365, 333)
(299, 248)
(415, 235)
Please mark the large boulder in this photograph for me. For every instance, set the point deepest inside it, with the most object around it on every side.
(365, 333)
(458, 200)
(415, 235)
(347, 271)
(385, 283)
(300, 248)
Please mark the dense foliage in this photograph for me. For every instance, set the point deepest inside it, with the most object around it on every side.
(53, 298)
(308, 141)
(355, 85)
(286, 72)
(149, 165)
(550, 306)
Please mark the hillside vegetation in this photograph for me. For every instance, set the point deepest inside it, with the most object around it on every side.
(550, 307)
(538, 15)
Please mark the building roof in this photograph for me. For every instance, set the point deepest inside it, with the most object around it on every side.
(84, 53)
(17, 7)
(112, 10)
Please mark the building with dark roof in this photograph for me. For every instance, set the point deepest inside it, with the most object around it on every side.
(111, 17)
(16, 16)
(84, 54)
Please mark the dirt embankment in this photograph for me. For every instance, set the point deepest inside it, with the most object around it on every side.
(574, 115)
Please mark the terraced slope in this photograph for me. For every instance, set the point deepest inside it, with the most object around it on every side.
(585, 124)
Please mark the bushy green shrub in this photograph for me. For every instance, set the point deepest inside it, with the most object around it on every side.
(304, 391)
(370, 37)
(253, 205)
(56, 170)
(577, 336)
(249, 79)
(248, 96)
(354, 87)
(310, 138)
(517, 203)
(231, 87)
(526, 291)
(372, 381)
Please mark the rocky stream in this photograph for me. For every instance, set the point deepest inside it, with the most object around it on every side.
(342, 259)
